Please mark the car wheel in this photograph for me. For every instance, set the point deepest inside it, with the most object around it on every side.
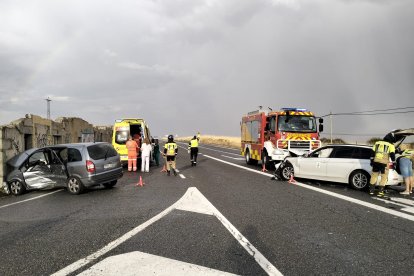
(286, 171)
(17, 187)
(110, 184)
(75, 186)
(359, 180)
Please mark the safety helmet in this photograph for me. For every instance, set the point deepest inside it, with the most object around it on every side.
(390, 138)
(170, 138)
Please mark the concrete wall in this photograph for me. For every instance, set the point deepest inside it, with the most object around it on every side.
(35, 131)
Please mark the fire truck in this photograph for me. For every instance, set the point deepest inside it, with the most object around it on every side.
(290, 130)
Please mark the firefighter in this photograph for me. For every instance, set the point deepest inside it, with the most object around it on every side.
(193, 150)
(133, 149)
(382, 151)
(170, 151)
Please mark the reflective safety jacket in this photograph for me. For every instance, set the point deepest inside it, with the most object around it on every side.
(193, 144)
(383, 151)
(408, 153)
(132, 147)
(171, 149)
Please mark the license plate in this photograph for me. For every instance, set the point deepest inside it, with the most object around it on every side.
(108, 166)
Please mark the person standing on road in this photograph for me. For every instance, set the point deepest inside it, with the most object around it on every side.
(405, 163)
(382, 151)
(193, 150)
(146, 149)
(171, 151)
(156, 152)
(133, 149)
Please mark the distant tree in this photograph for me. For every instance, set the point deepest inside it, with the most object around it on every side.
(373, 140)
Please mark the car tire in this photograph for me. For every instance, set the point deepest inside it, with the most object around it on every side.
(359, 180)
(16, 187)
(286, 171)
(75, 186)
(110, 184)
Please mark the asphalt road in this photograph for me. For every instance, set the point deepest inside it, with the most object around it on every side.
(216, 218)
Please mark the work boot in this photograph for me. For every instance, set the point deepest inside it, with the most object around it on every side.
(371, 189)
(168, 173)
(382, 194)
(175, 173)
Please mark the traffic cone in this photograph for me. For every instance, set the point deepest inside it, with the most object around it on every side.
(140, 182)
(292, 180)
(164, 168)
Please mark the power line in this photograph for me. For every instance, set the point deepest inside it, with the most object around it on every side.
(365, 113)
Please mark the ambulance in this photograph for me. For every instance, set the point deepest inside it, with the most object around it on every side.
(123, 128)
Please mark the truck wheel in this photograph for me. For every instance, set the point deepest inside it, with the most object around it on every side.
(286, 171)
(359, 180)
(249, 159)
(266, 160)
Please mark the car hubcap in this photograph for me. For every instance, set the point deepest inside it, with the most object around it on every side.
(287, 172)
(360, 180)
(15, 187)
(73, 185)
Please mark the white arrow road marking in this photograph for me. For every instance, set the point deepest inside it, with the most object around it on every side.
(396, 200)
(139, 263)
(192, 201)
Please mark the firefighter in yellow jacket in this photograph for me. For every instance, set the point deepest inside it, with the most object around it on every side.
(193, 150)
(170, 151)
(383, 150)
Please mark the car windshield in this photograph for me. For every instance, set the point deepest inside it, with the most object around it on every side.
(296, 123)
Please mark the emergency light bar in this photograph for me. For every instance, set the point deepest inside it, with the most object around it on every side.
(294, 109)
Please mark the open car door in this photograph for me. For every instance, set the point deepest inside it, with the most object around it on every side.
(44, 169)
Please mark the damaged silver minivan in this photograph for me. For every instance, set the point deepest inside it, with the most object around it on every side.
(74, 166)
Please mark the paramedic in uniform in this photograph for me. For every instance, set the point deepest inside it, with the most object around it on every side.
(193, 149)
(133, 149)
(170, 151)
(383, 150)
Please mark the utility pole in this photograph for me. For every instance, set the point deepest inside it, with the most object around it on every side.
(330, 117)
(48, 100)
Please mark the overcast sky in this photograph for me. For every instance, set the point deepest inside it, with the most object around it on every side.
(199, 65)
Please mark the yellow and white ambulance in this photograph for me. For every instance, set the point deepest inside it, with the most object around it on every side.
(123, 128)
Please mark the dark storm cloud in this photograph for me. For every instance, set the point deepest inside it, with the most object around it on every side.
(190, 66)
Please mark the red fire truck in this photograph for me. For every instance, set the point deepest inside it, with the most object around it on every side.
(290, 130)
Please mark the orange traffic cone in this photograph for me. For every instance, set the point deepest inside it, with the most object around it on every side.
(292, 180)
(140, 182)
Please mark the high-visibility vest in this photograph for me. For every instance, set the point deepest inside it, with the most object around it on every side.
(171, 147)
(194, 143)
(382, 151)
(408, 153)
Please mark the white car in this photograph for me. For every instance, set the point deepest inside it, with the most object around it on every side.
(336, 163)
